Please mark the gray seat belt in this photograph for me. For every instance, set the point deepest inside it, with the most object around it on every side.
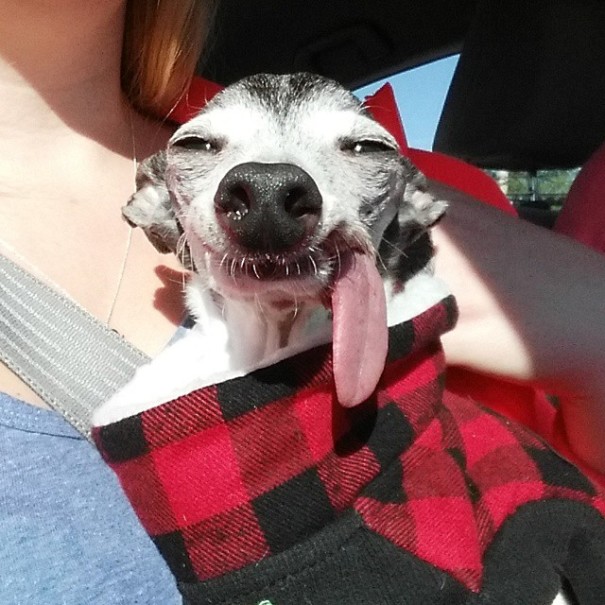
(69, 358)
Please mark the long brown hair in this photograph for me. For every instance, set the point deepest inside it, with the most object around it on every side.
(163, 40)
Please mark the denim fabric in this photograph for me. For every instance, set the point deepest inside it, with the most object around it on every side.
(67, 533)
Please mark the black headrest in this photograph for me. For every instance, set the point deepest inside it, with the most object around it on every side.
(529, 89)
(353, 41)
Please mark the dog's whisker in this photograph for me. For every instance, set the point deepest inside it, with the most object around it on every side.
(380, 259)
(296, 307)
(181, 246)
(259, 305)
(338, 259)
(394, 247)
(362, 241)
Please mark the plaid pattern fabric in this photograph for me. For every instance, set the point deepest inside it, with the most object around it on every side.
(228, 475)
(458, 483)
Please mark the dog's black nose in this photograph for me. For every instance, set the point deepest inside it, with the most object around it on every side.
(268, 207)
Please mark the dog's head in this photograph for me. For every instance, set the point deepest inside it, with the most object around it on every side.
(274, 183)
(280, 188)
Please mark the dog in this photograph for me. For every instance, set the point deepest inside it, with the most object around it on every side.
(285, 198)
(300, 222)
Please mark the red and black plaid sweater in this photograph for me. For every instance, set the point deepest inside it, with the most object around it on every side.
(263, 489)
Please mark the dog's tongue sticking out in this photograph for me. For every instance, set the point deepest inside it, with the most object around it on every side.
(360, 333)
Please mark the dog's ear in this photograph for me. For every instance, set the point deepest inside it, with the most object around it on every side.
(151, 209)
(420, 209)
(406, 246)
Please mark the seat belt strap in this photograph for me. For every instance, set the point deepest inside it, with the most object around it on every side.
(70, 359)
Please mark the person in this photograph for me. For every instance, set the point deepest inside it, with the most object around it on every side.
(83, 86)
(79, 107)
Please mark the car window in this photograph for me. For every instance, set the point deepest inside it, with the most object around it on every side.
(538, 195)
(420, 93)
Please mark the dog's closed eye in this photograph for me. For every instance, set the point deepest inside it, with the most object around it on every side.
(366, 146)
(197, 143)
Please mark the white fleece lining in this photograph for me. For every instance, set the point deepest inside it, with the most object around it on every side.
(207, 354)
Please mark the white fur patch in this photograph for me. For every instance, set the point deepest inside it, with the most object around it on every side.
(230, 343)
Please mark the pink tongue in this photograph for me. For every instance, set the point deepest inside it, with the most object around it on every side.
(360, 334)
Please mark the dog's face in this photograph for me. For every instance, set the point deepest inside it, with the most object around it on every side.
(272, 187)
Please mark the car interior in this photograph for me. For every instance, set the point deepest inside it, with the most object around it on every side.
(527, 93)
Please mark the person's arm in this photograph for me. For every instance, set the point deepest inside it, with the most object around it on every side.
(532, 309)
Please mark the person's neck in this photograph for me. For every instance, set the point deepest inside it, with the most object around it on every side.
(60, 73)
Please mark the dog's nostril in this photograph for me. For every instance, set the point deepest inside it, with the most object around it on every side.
(299, 203)
(238, 202)
(235, 202)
